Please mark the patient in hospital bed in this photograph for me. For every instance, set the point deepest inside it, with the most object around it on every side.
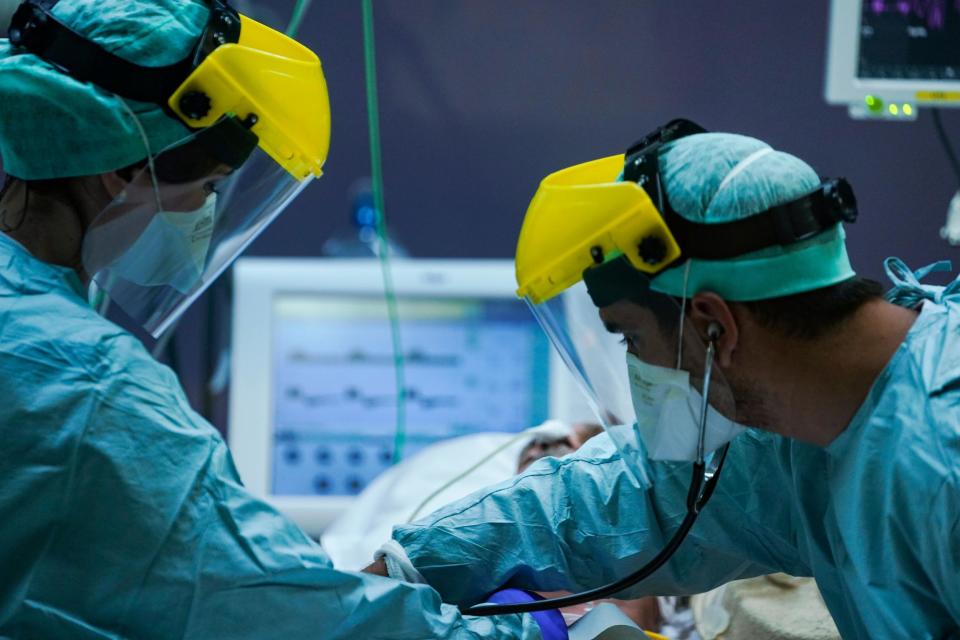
(436, 476)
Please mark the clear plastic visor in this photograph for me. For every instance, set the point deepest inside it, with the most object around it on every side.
(178, 223)
(648, 397)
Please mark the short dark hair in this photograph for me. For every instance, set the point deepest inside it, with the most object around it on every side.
(46, 186)
(804, 316)
(8, 181)
(811, 314)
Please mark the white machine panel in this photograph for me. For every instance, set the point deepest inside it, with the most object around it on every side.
(887, 57)
(314, 391)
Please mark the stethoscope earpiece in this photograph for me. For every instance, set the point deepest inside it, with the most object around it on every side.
(714, 331)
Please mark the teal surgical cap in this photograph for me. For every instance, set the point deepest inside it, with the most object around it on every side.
(712, 178)
(52, 126)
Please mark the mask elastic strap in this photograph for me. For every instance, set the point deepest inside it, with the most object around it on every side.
(704, 400)
(683, 312)
(146, 145)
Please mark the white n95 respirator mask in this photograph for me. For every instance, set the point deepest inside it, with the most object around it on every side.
(172, 250)
(668, 408)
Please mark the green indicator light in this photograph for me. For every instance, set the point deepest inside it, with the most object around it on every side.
(907, 110)
(893, 109)
(874, 103)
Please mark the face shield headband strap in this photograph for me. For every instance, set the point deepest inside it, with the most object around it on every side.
(615, 280)
(228, 142)
(801, 219)
(834, 202)
(34, 28)
(831, 203)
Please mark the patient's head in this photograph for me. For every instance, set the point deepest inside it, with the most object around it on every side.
(557, 442)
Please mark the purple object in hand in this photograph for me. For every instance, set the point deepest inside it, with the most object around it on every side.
(552, 625)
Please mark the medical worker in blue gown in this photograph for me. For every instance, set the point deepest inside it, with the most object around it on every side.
(146, 143)
(712, 252)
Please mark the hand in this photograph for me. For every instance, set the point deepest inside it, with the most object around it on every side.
(378, 568)
(551, 622)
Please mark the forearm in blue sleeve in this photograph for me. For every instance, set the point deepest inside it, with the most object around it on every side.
(165, 542)
(584, 520)
(262, 576)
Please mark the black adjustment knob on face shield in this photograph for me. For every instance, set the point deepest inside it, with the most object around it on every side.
(27, 20)
(195, 105)
(839, 195)
(652, 250)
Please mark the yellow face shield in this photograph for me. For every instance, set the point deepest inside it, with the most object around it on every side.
(273, 83)
(238, 70)
(580, 217)
(258, 129)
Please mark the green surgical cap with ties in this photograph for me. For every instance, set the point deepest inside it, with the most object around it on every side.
(54, 126)
(713, 178)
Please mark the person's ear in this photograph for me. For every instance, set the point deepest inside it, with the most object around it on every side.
(714, 320)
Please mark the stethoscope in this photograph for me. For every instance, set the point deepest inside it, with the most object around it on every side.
(702, 483)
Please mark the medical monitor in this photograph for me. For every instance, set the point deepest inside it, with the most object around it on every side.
(313, 408)
(888, 57)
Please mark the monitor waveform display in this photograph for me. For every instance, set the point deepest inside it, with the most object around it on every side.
(910, 40)
(470, 366)
(933, 13)
(354, 395)
(413, 357)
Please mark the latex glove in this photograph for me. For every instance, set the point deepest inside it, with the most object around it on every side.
(552, 624)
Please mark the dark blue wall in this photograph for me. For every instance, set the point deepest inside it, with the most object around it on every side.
(481, 99)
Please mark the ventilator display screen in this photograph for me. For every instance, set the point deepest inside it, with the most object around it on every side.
(910, 40)
(470, 365)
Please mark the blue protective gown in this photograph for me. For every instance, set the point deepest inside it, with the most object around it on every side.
(874, 517)
(121, 513)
